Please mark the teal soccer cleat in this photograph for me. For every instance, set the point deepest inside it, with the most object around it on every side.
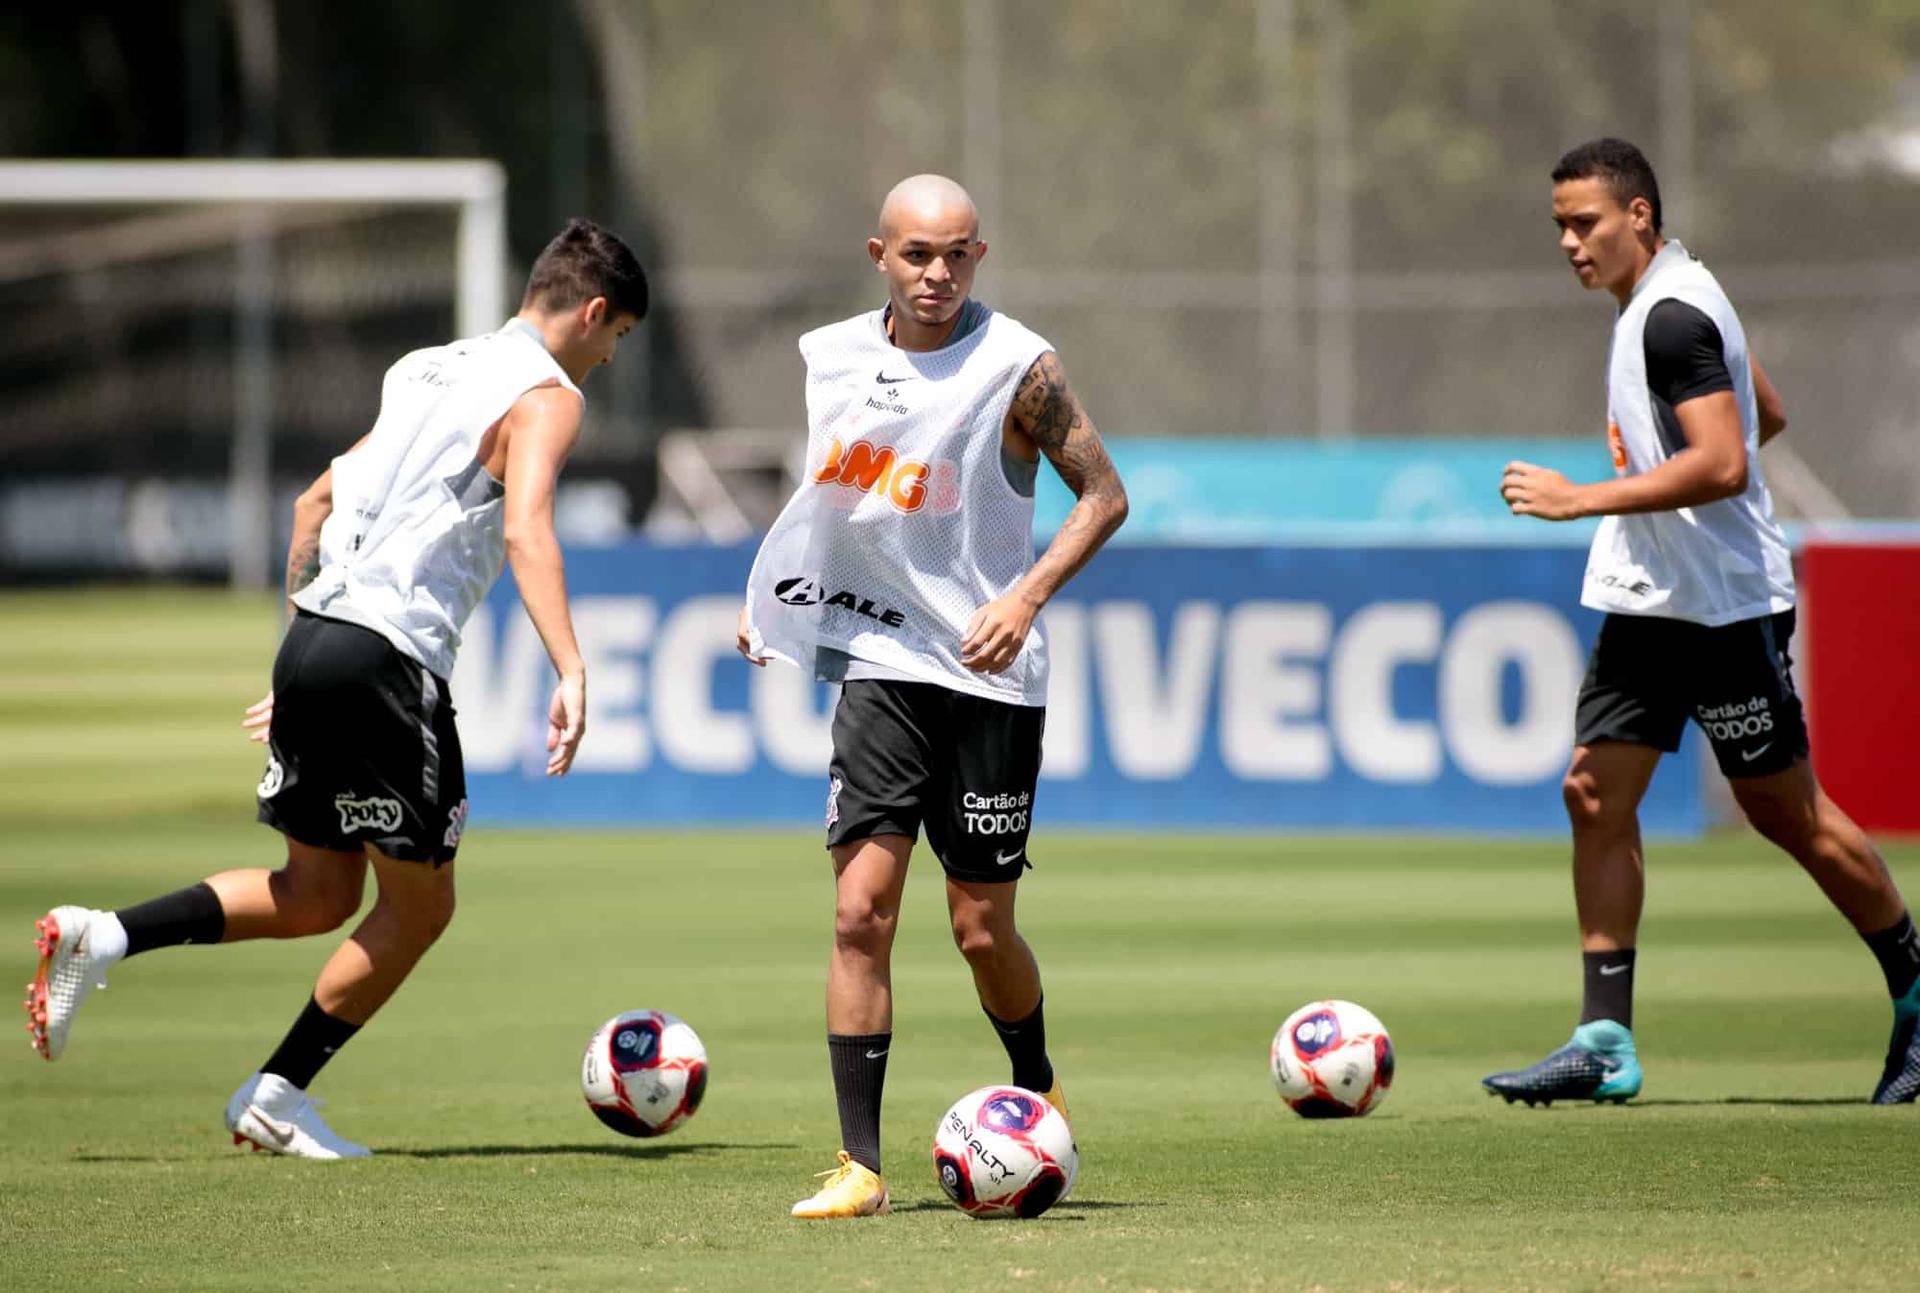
(1900, 1079)
(1599, 1064)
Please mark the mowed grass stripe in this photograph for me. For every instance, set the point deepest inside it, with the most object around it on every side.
(1751, 1163)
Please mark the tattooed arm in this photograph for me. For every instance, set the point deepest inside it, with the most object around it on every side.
(310, 512)
(1046, 415)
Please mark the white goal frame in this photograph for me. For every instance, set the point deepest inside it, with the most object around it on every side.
(476, 189)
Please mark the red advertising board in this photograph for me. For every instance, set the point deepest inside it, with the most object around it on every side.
(1860, 642)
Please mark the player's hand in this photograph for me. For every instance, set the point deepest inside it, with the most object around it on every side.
(566, 723)
(744, 644)
(259, 718)
(1540, 491)
(996, 633)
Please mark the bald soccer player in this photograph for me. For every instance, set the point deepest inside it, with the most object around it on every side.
(903, 569)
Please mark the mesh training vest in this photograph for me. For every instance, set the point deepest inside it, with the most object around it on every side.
(417, 533)
(1712, 564)
(904, 524)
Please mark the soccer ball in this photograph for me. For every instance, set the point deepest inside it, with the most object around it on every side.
(1332, 1059)
(1003, 1151)
(644, 1073)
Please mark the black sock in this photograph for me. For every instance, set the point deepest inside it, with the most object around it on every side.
(859, 1063)
(1898, 949)
(308, 1045)
(1026, 1043)
(1609, 987)
(189, 915)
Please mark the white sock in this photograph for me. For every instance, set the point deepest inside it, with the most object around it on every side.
(275, 1094)
(106, 937)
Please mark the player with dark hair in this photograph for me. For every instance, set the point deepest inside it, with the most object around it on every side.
(903, 568)
(1697, 584)
(393, 546)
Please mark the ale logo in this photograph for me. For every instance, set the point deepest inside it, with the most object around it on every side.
(800, 591)
(876, 470)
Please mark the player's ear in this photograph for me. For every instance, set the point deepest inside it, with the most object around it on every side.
(877, 252)
(979, 250)
(1640, 213)
(596, 310)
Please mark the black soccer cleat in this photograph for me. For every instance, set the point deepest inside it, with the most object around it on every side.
(1599, 1064)
(1900, 1079)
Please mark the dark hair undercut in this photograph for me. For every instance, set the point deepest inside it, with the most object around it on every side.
(1625, 170)
(584, 261)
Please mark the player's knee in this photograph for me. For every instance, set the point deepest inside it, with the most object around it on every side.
(862, 926)
(1589, 810)
(977, 939)
(1785, 821)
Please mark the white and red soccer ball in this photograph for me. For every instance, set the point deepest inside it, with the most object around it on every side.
(644, 1073)
(1003, 1151)
(1332, 1059)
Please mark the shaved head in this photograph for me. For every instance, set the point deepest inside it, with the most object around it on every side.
(926, 200)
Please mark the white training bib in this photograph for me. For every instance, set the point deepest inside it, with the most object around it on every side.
(417, 534)
(905, 523)
(1713, 564)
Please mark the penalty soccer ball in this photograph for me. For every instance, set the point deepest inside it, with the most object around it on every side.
(644, 1073)
(1003, 1151)
(1332, 1059)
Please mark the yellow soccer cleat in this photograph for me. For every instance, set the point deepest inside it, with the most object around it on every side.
(851, 1190)
(1057, 1097)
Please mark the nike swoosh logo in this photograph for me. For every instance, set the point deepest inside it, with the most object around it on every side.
(881, 378)
(1748, 756)
(1611, 970)
(875, 1055)
(280, 1138)
(1002, 859)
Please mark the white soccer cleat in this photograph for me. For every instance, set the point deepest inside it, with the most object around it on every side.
(270, 1113)
(69, 969)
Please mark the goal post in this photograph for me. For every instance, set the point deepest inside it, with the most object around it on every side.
(256, 199)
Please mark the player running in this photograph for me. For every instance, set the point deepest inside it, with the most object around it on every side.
(1697, 584)
(393, 546)
(903, 569)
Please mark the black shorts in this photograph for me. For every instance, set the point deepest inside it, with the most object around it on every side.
(1648, 675)
(907, 753)
(363, 748)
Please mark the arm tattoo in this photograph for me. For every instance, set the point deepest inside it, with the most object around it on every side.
(303, 565)
(1045, 408)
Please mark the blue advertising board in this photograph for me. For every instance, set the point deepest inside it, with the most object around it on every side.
(1297, 688)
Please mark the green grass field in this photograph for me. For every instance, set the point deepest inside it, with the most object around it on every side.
(1751, 1162)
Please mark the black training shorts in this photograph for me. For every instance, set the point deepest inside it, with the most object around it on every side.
(363, 748)
(908, 753)
(1648, 675)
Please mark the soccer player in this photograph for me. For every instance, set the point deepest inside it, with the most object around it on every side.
(393, 546)
(903, 568)
(1697, 585)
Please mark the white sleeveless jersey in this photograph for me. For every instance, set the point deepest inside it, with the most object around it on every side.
(1711, 564)
(905, 523)
(417, 534)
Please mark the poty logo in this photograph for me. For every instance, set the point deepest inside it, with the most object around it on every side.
(901, 481)
(1316, 1033)
(367, 814)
